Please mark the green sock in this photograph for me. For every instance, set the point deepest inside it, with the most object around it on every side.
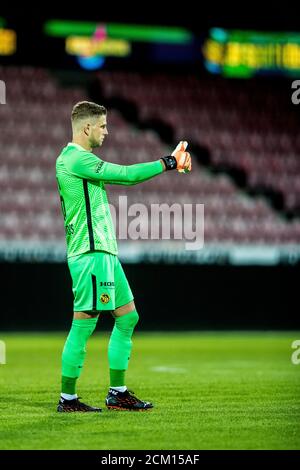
(117, 378)
(119, 347)
(68, 385)
(74, 352)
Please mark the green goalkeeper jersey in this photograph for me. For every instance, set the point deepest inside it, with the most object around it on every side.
(81, 178)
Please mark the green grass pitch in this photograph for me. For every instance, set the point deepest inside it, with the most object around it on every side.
(211, 390)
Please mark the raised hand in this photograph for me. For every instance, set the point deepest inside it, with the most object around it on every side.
(183, 158)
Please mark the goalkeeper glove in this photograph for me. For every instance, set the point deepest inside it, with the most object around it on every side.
(184, 161)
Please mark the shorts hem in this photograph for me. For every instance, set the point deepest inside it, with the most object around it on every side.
(125, 303)
(92, 310)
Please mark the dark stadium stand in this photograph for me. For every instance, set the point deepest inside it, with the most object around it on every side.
(38, 109)
(248, 125)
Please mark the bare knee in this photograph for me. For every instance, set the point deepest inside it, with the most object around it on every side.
(118, 312)
(85, 315)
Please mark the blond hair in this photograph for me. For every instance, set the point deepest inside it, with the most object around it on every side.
(85, 110)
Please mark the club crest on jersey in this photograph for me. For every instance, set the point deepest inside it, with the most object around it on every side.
(104, 298)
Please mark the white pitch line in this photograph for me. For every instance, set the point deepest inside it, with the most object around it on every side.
(168, 369)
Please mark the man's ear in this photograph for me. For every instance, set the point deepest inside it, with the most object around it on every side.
(86, 129)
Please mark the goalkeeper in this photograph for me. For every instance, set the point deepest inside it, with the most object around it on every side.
(99, 282)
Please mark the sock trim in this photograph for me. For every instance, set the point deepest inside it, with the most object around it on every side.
(119, 389)
(68, 396)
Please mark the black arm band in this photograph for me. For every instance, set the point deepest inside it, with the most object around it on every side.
(170, 162)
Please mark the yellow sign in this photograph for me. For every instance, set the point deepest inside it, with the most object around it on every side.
(8, 41)
(245, 53)
(89, 47)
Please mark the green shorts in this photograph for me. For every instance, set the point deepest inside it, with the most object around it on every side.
(99, 282)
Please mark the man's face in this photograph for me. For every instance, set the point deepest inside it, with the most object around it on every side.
(98, 131)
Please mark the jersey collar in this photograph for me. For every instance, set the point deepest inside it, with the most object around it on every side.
(72, 144)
